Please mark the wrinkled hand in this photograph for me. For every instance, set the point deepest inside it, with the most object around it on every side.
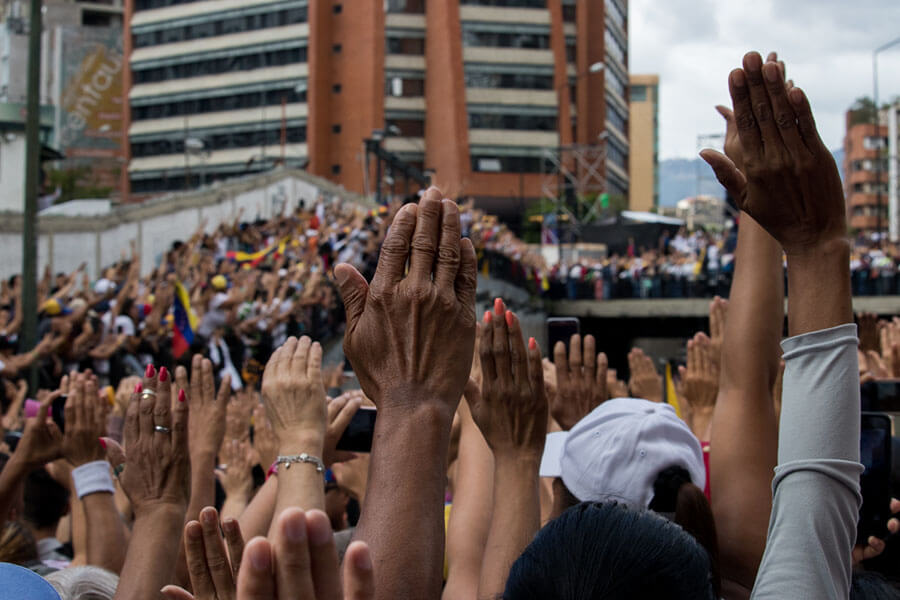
(85, 414)
(157, 464)
(213, 573)
(890, 346)
(512, 409)
(875, 546)
(293, 390)
(412, 337)
(645, 382)
(701, 376)
(340, 412)
(300, 561)
(236, 471)
(580, 382)
(206, 428)
(793, 186)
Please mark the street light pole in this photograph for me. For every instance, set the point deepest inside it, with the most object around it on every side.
(32, 182)
(876, 123)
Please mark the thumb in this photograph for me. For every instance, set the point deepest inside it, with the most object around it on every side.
(728, 174)
(726, 113)
(114, 452)
(353, 289)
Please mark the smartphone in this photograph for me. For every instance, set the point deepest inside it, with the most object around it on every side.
(57, 412)
(561, 329)
(358, 435)
(880, 396)
(11, 438)
(875, 454)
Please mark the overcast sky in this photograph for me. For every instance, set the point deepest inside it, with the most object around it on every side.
(693, 44)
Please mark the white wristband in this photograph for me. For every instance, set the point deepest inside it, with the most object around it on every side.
(92, 477)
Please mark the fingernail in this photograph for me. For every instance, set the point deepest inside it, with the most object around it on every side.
(102, 443)
(509, 318)
(150, 372)
(771, 74)
(181, 396)
(320, 534)
(738, 79)
(532, 344)
(295, 529)
(796, 97)
(138, 388)
(498, 306)
(208, 517)
(261, 558)
(487, 317)
(163, 373)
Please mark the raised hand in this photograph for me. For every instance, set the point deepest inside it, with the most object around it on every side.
(793, 186)
(206, 428)
(700, 384)
(213, 572)
(411, 337)
(300, 561)
(264, 443)
(617, 388)
(580, 383)
(157, 462)
(645, 382)
(340, 412)
(85, 414)
(512, 409)
(235, 472)
(890, 346)
(293, 391)
(41, 439)
(718, 309)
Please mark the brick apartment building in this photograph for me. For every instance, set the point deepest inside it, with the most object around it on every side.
(864, 144)
(470, 92)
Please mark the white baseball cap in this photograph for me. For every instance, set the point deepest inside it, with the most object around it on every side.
(617, 451)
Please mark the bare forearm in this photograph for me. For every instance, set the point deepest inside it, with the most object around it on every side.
(11, 479)
(402, 519)
(516, 519)
(819, 281)
(233, 507)
(299, 484)
(203, 484)
(105, 532)
(148, 566)
(257, 517)
(470, 518)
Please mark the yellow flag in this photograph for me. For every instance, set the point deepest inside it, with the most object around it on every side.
(671, 395)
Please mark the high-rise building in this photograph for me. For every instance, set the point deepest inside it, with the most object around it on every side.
(865, 164)
(472, 92)
(643, 133)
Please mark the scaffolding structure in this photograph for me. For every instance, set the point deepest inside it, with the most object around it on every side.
(572, 176)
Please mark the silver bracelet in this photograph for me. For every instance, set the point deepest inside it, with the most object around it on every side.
(301, 458)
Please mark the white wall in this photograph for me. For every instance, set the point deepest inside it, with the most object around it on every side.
(12, 173)
(66, 242)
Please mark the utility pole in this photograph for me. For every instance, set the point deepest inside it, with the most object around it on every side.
(32, 182)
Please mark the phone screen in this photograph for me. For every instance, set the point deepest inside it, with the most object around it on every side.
(561, 330)
(57, 412)
(875, 481)
(358, 435)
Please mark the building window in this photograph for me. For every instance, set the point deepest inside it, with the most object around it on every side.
(336, 88)
(406, 45)
(519, 81)
(639, 93)
(512, 121)
(336, 49)
(408, 127)
(221, 141)
(335, 169)
(335, 129)
(405, 87)
(163, 107)
(337, 9)
(874, 143)
(509, 164)
(225, 64)
(499, 39)
(508, 3)
(406, 6)
(223, 26)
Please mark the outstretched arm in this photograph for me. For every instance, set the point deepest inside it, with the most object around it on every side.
(410, 340)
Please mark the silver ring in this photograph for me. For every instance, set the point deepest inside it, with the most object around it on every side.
(161, 429)
(147, 394)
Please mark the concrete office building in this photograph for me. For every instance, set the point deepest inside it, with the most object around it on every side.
(471, 92)
(864, 164)
(643, 126)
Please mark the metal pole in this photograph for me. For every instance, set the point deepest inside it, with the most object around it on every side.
(32, 182)
(378, 173)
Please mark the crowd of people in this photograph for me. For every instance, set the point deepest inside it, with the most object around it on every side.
(184, 439)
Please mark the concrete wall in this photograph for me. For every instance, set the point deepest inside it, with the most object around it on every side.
(66, 242)
(12, 172)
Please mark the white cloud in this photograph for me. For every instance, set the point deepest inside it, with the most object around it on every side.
(693, 44)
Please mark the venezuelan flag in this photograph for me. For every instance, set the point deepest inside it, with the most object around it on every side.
(185, 322)
(254, 258)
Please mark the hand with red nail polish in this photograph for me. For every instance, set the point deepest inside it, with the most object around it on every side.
(580, 381)
(512, 410)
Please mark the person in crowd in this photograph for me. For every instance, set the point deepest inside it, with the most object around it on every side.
(198, 455)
